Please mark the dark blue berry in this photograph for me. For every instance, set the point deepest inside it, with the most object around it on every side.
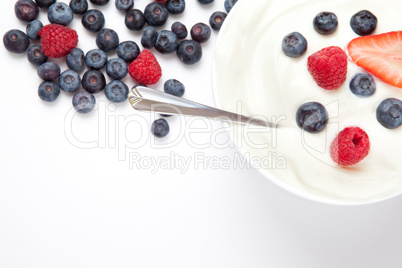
(176, 6)
(363, 22)
(166, 42)
(95, 59)
(76, 60)
(128, 51)
(36, 56)
(156, 14)
(174, 87)
(134, 19)
(33, 29)
(93, 20)
(160, 128)
(116, 91)
(69, 81)
(189, 51)
(49, 71)
(180, 30)
(107, 40)
(229, 4)
(99, 2)
(124, 5)
(93, 81)
(26, 10)
(362, 84)
(312, 117)
(200, 32)
(16, 41)
(294, 45)
(216, 20)
(84, 102)
(205, 2)
(325, 22)
(79, 7)
(45, 3)
(48, 91)
(116, 68)
(389, 113)
(149, 36)
(60, 13)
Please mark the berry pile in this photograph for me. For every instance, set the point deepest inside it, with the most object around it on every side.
(58, 40)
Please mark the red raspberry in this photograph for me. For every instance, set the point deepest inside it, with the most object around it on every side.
(57, 40)
(350, 147)
(145, 69)
(328, 67)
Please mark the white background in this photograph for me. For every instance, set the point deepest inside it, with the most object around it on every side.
(71, 197)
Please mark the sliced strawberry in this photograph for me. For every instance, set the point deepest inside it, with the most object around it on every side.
(380, 55)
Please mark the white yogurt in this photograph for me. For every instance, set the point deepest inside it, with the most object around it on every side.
(250, 67)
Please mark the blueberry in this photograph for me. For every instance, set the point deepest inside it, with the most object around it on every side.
(49, 71)
(48, 91)
(36, 56)
(389, 113)
(79, 7)
(99, 2)
(26, 10)
(160, 128)
(363, 22)
(362, 84)
(294, 45)
(93, 81)
(205, 2)
(134, 19)
(93, 20)
(16, 41)
(116, 91)
(45, 3)
(84, 102)
(176, 6)
(76, 60)
(312, 117)
(95, 59)
(229, 4)
(116, 68)
(33, 29)
(166, 42)
(124, 5)
(189, 51)
(174, 87)
(200, 32)
(180, 30)
(107, 39)
(69, 81)
(128, 51)
(149, 36)
(216, 20)
(60, 13)
(325, 22)
(156, 14)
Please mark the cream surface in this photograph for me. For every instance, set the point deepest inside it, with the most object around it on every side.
(253, 76)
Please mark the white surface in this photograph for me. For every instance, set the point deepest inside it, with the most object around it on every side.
(66, 206)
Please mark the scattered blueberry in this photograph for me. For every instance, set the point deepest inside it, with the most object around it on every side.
(79, 7)
(229, 4)
(84, 102)
(216, 20)
(166, 42)
(325, 22)
(128, 51)
(116, 91)
(60, 13)
(116, 68)
(362, 84)
(107, 40)
(16, 41)
(363, 22)
(294, 45)
(99, 2)
(189, 51)
(389, 113)
(48, 91)
(134, 19)
(149, 36)
(174, 87)
(33, 29)
(69, 81)
(124, 5)
(160, 128)
(26, 10)
(312, 117)
(156, 14)
(200, 32)
(93, 20)
(45, 3)
(176, 6)
(49, 71)
(93, 81)
(76, 60)
(180, 30)
(36, 56)
(205, 2)
(95, 59)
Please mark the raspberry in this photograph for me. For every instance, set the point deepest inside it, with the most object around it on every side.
(350, 147)
(57, 40)
(328, 67)
(145, 69)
